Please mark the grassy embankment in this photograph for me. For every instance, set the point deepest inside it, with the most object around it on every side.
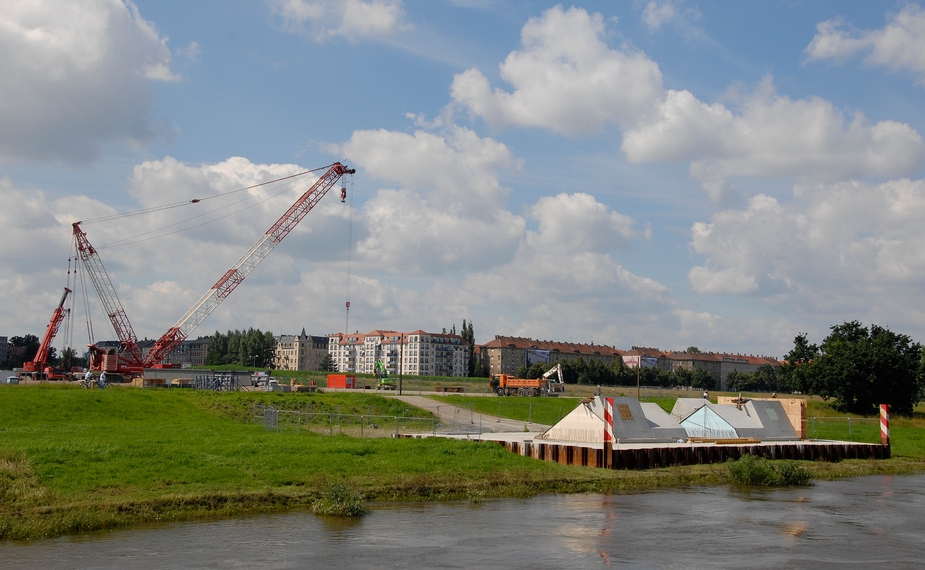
(73, 460)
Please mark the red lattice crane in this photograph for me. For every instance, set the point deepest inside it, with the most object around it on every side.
(37, 366)
(131, 354)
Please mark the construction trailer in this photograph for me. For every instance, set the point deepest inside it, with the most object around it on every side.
(342, 381)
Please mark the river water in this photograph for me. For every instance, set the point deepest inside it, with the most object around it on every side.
(854, 523)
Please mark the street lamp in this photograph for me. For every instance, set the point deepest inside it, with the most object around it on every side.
(255, 361)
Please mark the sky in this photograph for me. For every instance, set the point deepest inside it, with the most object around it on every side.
(662, 173)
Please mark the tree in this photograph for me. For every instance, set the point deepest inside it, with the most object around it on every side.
(69, 359)
(737, 381)
(31, 344)
(468, 335)
(703, 379)
(693, 350)
(537, 370)
(327, 364)
(796, 372)
(859, 368)
(682, 377)
(242, 348)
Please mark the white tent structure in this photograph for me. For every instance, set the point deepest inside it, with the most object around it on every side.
(706, 423)
(633, 422)
(759, 419)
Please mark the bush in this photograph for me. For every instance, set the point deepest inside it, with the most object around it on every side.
(339, 499)
(752, 470)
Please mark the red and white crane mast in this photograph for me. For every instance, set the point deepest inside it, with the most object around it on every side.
(37, 365)
(131, 353)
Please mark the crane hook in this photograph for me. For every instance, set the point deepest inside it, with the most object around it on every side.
(343, 195)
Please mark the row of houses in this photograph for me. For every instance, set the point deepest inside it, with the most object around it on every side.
(420, 353)
(718, 364)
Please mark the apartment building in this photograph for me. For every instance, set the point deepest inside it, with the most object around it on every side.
(417, 353)
(187, 353)
(718, 364)
(506, 354)
(300, 352)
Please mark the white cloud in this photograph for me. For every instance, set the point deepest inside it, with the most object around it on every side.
(191, 52)
(76, 75)
(159, 279)
(561, 277)
(578, 222)
(352, 19)
(772, 135)
(565, 79)
(657, 14)
(833, 249)
(449, 216)
(563, 280)
(899, 45)
(449, 211)
(714, 333)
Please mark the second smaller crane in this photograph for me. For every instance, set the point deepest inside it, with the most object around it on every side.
(36, 369)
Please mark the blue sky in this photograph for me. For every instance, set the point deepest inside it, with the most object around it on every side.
(660, 173)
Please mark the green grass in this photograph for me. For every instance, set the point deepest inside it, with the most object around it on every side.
(546, 411)
(521, 408)
(157, 454)
(74, 460)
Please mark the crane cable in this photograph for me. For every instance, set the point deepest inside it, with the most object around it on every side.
(349, 255)
(138, 238)
(196, 200)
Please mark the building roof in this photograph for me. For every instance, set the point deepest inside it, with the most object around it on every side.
(552, 346)
(387, 336)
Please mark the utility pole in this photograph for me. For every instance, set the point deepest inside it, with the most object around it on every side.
(401, 357)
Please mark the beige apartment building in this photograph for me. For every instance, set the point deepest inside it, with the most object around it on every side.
(300, 352)
(506, 354)
(417, 353)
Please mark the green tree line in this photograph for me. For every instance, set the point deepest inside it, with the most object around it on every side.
(597, 373)
(859, 368)
(250, 348)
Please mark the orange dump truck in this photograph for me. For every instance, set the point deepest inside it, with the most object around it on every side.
(507, 385)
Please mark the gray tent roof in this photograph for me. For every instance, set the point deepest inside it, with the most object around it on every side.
(632, 422)
(764, 420)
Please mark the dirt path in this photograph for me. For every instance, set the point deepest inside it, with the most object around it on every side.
(465, 418)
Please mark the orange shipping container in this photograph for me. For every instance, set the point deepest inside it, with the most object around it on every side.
(341, 381)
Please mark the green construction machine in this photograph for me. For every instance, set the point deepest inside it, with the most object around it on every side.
(383, 382)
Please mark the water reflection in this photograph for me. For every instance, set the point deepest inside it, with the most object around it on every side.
(873, 520)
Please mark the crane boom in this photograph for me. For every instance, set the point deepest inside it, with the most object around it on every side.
(111, 304)
(41, 356)
(234, 276)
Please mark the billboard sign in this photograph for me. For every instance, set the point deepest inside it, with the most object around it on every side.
(534, 356)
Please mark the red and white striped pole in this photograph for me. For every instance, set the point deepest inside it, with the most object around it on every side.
(608, 432)
(885, 424)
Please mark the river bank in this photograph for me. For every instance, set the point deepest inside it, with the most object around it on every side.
(75, 460)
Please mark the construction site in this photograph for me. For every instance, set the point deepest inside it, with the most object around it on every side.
(616, 433)
(129, 361)
(624, 433)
